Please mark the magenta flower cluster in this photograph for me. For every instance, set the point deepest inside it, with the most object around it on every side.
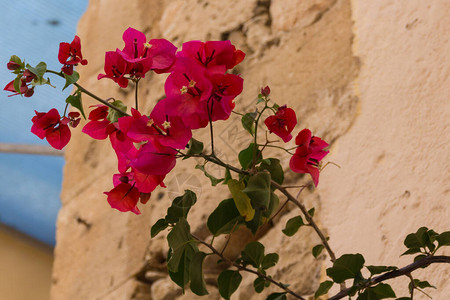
(199, 90)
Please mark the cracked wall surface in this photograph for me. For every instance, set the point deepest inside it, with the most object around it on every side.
(339, 67)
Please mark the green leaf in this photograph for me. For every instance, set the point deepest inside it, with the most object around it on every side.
(246, 156)
(260, 99)
(374, 270)
(180, 206)
(17, 84)
(411, 251)
(293, 225)
(39, 70)
(198, 285)
(75, 101)
(241, 200)
(443, 239)
(269, 261)
(421, 284)
(258, 190)
(159, 226)
(17, 60)
(182, 252)
(273, 205)
(346, 267)
(253, 254)
(259, 284)
(311, 212)
(181, 275)
(256, 222)
(277, 296)
(227, 176)
(382, 290)
(195, 147)
(228, 282)
(214, 181)
(316, 250)
(416, 240)
(324, 287)
(276, 106)
(114, 115)
(179, 235)
(40, 81)
(248, 122)
(275, 169)
(224, 218)
(71, 79)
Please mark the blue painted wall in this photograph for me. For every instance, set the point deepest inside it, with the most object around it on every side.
(30, 185)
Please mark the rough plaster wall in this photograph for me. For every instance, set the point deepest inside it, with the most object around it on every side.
(307, 52)
(395, 161)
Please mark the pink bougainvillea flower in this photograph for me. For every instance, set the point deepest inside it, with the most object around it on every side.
(154, 159)
(116, 67)
(188, 91)
(308, 155)
(143, 56)
(70, 55)
(130, 187)
(168, 130)
(49, 125)
(282, 123)
(10, 88)
(216, 56)
(24, 87)
(73, 119)
(124, 197)
(146, 183)
(225, 89)
(172, 132)
(99, 127)
(124, 147)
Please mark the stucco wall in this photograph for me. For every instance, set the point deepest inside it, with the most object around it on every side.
(371, 77)
(25, 267)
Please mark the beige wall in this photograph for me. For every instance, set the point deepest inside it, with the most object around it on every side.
(25, 267)
(371, 77)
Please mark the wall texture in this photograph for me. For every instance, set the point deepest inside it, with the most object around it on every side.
(25, 267)
(371, 77)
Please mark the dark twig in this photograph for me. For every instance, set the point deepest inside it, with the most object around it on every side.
(229, 238)
(82, 89)
(424, 262)
(308, 218)
(136, 95)
(242, 268)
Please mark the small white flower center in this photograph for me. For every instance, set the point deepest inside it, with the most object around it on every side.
(192, 83)
(184, 90)
(166, 124)
(147, 45)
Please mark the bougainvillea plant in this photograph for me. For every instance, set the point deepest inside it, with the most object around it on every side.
(201, 89)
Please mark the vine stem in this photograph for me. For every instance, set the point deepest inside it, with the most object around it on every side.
(211, 131)
(136, 95)
(242, 268)
(214, 159)
(308, 218)
(425, 262)
(82, 89)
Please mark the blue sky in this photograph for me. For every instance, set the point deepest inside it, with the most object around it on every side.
(30, 185)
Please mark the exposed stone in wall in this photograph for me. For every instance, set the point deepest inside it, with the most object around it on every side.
(307, 52)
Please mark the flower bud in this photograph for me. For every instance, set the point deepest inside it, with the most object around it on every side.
(265, 91)
(13, 66)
